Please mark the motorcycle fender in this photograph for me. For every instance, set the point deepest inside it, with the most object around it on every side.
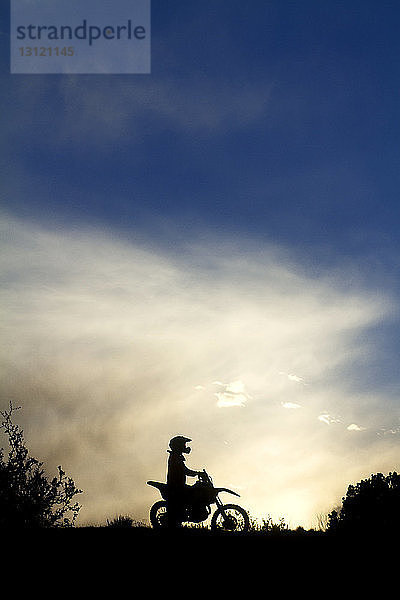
(218, 490)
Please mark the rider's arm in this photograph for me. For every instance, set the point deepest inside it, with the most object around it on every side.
(190, 472)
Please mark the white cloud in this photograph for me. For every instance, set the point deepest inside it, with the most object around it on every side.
(389, 431)
(328, 418)
(104, 342)
(291, 405)
(355, 427)
(227, 400)
(293, 377)
(233, 394)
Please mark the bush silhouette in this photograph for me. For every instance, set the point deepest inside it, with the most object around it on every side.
(370, 506)
(27, 497)
(122, 522)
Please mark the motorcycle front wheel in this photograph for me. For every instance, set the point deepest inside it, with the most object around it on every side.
(230, 517)
(158, 515)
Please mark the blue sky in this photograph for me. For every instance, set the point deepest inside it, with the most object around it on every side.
(266, 128)
(268, 119)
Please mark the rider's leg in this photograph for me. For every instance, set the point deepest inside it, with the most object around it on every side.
(175, 509)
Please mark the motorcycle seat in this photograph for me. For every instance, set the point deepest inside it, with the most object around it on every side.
(160, 486)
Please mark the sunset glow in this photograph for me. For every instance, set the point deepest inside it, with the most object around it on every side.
(209, 249)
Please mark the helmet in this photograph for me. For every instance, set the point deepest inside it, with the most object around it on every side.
(178, 443)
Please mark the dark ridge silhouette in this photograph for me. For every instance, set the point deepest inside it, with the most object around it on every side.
(42, 509)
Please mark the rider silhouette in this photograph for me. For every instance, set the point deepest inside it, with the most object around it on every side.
(178, 489)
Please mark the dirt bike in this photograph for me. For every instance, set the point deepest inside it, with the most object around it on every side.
(196, 507)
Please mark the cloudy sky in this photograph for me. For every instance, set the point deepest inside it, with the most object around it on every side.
(210, 250)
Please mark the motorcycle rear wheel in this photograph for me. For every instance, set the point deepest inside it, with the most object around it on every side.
(234, 519)
(158, 515)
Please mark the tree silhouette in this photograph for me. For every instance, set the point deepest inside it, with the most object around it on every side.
(370, 506)
(27, 497)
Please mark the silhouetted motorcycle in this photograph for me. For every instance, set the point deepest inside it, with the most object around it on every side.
(196, 508)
